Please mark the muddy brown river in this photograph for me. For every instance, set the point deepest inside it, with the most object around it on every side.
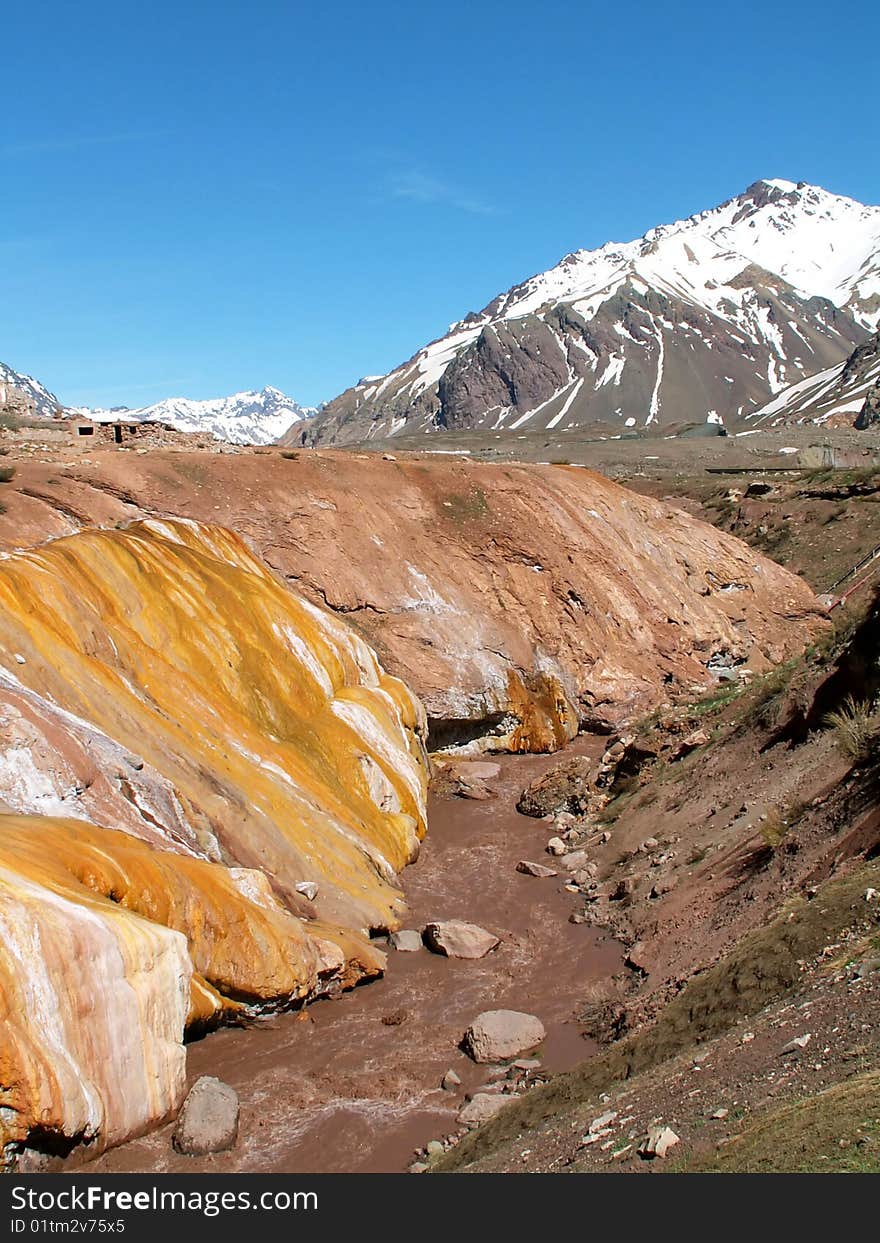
(354, 1084)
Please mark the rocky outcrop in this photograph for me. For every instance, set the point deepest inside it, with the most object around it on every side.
(562, 788)
(518, 602)
(270, 778)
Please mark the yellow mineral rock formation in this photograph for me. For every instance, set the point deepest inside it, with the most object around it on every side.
(161, 680)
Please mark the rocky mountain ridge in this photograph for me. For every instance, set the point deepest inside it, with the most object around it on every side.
(847, 394)
(23, 391)
(702, 320)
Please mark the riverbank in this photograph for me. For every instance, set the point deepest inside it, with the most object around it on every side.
(354, 1084)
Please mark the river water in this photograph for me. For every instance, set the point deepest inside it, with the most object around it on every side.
(354, 1084)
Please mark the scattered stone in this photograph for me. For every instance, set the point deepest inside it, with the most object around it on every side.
(456, 939)
(502, 1034)
(480, 1108)
(407, 940)
(19, 659)
(418, 1167)
(795, 1045)
(871, 895)
(434, 1148)
(624, 888)
(573, 860)
(134, 761)
(747, 1037)
(648, 845)
(308, 889)
(662, 887)
(476, 790)
(208, 1121)
(556, 846)
(720, 1114)
(658, 1141)
(602, 1123)
(527, 1063)
(577, 918)
(699, 738)
(534, 869)
(620, 1154)
(450, 1081)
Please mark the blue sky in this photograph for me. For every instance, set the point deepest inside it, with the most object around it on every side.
(205, 197)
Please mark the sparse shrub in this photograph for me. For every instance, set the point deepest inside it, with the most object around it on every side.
(774, 828)
(290, 455)
(7, 473)
(855, 728)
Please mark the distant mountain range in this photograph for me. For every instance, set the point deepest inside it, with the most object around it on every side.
(704, 320)
(255, 418)
(244, 418)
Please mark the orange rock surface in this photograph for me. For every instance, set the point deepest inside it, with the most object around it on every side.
(516, 600)
(163, 681)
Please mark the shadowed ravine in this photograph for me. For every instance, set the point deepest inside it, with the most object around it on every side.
(354, 1084)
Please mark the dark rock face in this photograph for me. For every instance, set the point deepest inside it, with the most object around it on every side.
(866, 361)
(869, 415)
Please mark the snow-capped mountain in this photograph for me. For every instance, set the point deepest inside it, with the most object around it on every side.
(244, 418)
(36, 396)
(701, 320)
(841, 395)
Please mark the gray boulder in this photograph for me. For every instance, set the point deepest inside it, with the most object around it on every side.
(208, 1121)
(480, 1108)
(497, 1035)
(456, 939)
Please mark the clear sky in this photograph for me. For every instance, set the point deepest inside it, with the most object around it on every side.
(206, 197)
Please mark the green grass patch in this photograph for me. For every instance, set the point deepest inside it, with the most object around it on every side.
(834, 1132)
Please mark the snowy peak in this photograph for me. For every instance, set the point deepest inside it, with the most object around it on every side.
(700, 320)
(257, 418)
(821, 244)
(25, 393)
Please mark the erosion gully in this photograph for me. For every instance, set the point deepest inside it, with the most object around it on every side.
(353, 1084)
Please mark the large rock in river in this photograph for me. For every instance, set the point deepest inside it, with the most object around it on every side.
(457, 939)
(559, 789)
(498, 1035)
